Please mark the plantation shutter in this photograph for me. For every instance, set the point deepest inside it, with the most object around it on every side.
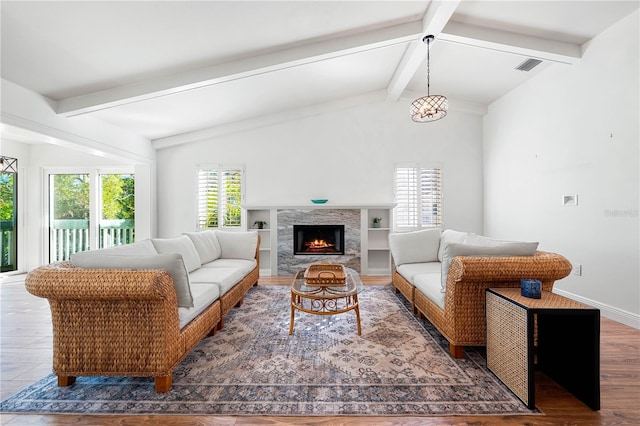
(430, 197)
(406, 214)
(219, 197)
(418, 197)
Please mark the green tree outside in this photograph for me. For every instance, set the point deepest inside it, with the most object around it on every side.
(71, 195)
(118, 197)
(7, 183)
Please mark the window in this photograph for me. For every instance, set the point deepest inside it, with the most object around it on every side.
(220, 192)
(418, 197)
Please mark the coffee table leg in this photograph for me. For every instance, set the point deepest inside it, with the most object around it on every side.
(293, 310)
(357, 314)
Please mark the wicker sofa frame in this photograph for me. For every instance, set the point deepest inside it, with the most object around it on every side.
(113, 322)
(463, 320)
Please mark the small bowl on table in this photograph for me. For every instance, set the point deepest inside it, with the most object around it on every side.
(319, 201)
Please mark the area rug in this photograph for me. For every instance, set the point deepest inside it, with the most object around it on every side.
(399, 366)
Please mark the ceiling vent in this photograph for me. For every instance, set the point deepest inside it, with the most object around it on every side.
(529, 64)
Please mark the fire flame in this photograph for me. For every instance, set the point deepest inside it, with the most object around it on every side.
(318, 244)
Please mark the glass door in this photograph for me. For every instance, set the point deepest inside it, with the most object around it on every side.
(8, 214)
(117, 218)
(89, 210)
(69, 215)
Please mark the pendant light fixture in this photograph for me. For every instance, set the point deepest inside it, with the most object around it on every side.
(430, 107)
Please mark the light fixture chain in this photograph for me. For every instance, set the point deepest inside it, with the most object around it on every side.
(428, 69)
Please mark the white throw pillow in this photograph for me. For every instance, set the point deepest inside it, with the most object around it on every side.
(506, 249)
(450, 236)
(238, 245)
(206, 245)
(415, 247)
(171, 262)
(182, 245)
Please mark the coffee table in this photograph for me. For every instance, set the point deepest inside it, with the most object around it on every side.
(326, 299)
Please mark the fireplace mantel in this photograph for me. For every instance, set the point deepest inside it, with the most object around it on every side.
(319, 206)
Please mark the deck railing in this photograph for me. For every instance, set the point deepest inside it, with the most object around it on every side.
(7, 246)
(69, 236)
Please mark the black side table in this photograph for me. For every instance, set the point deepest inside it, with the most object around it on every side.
(568, 343)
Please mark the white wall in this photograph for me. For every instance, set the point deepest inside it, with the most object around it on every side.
(574, 130)
(346, 156)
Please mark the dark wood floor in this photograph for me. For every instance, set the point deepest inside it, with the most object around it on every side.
(25, 356)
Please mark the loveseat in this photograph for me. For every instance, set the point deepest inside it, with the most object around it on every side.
(139, 309)
(444, 276)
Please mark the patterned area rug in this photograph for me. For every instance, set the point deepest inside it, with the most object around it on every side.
(399, 366)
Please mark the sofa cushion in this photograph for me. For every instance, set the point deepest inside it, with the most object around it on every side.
(449, 236)
(203, 296)
(224, 278)
(182, 245)
(243, 265)
(410, 270)
(170, 262)
(429, 285)
(505, 249)
(238, 245)
(206, 245)
(415, 247)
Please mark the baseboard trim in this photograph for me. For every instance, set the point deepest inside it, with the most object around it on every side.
(616, 314)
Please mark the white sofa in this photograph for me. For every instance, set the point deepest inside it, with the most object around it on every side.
(139, 309)
(444, 275)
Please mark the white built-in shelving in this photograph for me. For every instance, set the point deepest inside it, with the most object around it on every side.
(377, 258)
(374, 242)
(268, 239)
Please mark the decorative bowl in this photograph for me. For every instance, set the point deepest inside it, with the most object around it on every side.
(319, 201)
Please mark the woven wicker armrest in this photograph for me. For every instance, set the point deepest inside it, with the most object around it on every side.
(544, 266)
(63, 282)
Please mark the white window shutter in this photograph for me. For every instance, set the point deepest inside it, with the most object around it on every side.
(220, 193)
(418, 196)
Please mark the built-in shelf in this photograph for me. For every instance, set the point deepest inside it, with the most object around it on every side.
(378, 255)
(267, 238)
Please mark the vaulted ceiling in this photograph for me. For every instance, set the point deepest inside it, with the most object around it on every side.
(167, 70)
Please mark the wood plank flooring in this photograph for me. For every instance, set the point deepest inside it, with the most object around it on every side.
(25, 356)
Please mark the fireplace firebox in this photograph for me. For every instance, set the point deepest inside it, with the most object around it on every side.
(318, 239)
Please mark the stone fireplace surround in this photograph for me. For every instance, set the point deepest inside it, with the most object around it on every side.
(289, 264)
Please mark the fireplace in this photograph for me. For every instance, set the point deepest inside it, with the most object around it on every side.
(318, 239)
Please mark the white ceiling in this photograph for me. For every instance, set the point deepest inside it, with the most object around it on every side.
(165, 69)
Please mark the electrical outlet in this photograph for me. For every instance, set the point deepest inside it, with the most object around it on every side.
(577, 269)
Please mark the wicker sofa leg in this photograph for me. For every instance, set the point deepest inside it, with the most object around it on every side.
(163, 383)
(456, 351)
(240, 302)
(66, 380)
